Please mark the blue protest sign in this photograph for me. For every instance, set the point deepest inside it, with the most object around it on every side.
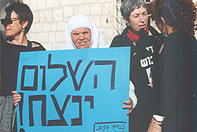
(73, 90)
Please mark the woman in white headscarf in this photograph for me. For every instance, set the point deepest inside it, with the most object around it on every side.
(82, 33)
(79, 23)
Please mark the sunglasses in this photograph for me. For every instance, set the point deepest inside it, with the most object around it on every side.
(8, 21)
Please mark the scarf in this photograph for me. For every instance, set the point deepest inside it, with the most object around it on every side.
(134, 37)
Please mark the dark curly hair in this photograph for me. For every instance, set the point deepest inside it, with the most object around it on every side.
(180, 14)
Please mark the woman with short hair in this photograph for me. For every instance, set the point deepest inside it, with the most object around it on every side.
(17, 23)
(143, 45)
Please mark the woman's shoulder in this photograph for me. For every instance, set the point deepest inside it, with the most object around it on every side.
(117, 41)
(120, 40)
(36, 46)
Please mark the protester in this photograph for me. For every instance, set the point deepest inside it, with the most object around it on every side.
(17, 23)
(143, 46)
(175, 72)
(81, 33)
(76, 25)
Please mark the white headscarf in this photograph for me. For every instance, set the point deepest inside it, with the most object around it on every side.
(81, 21)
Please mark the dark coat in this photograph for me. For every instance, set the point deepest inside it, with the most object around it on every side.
(175, 75)
(9, 65)
(141, 62)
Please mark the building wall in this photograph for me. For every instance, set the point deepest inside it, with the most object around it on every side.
(51, 17)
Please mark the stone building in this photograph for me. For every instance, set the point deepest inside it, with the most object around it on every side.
(51, 17)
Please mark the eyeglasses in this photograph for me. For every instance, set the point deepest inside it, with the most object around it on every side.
(8, 21)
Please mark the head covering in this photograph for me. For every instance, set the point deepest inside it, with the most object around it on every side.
(81, 21)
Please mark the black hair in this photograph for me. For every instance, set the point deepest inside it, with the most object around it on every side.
(23, 11)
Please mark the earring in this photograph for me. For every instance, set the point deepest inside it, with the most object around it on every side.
(23, 29)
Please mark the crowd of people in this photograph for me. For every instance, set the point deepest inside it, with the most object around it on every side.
(163, 75)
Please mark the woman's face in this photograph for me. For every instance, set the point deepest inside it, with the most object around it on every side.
(138, 19)
(81, 38)
(15, 28)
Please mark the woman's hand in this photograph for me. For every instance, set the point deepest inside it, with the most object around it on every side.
(16, 98)
(153, 127)
(128, 106)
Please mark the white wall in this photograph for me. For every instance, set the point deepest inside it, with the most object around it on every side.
(51, 17)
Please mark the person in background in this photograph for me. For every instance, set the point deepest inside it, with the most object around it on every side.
(82, 33)
(17, 23)
(175, 72)
(144, 46)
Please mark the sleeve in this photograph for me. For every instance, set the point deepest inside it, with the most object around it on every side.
(141, 52)
(194, 84)
(141, 44)
(132, 94)
(116, 42)
(175, 84)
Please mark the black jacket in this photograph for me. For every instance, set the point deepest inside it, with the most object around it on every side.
(9, 65)
(175, 75)
(141, 62)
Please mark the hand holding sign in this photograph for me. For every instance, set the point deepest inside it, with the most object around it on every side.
(69, 93)
(16, 98)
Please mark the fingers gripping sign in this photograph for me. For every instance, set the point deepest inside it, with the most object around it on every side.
(129, 105)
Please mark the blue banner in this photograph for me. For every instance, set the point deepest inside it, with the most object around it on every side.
(79, 90)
